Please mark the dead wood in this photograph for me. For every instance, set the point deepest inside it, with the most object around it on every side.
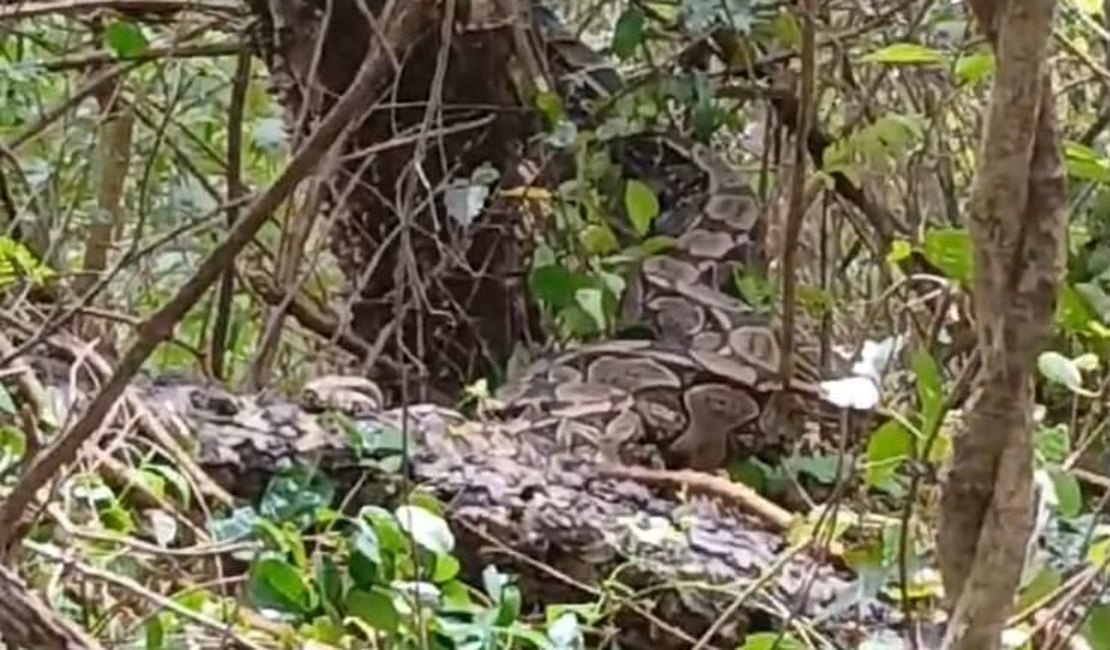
(27, 622)
(532, 506)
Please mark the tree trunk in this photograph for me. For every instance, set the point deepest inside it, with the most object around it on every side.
(1017, 225)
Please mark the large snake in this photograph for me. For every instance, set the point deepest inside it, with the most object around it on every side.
(705, 383)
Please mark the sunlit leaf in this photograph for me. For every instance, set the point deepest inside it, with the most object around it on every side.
(771, 641)
(1085, 164)
(888, 447)
(428, 529)
(949, 249)
(905, 54)
(642, 206)
(126, 39)
(592, 302)
(975, 68)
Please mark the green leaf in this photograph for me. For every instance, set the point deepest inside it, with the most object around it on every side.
(375, 608)
(550, 106)
(1085, 164)
(900, 249)
(642, 206)
(599, 239)
(366, 556)
(1097, 627)
(1068, 493)
(1097, 553)
(1043, 583)
(823, 468)
(428, 529)
(330, 582)
(447, 568)
(125, 39)
(949, 249)
(629, 32)
(556, 285)
(1073, 311)
(13, 444)
(930, 390)
(972, 69)
(592, 301)
(890, 446)
(155, 633)
(771, 641)
(276, 584)
(905, 54)
(1053, 443)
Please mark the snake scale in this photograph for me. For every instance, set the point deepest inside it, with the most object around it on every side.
(706, 382)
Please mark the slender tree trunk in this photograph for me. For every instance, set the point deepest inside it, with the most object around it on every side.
(1017, 226)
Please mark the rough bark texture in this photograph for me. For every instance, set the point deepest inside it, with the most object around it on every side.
(26, 622)
(452, 289)
(539, 507)
(1017, 225)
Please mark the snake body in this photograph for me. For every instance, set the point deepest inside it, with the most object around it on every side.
(706, 382)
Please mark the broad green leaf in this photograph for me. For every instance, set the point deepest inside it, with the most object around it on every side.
(556, 285)
(599, 239)
(1068, 494)
(642, 206)
(888, 447)
(446, 569)
(905, 54)
(428, 529)
(1043, 583)
(365, 561)
(375, 608)
(1097, 627)
(276, 584)
(1085, 164)
(1097, 553)
(974, 68)
(949, 249)
(629, 32)
(125, 39)
(592, 301)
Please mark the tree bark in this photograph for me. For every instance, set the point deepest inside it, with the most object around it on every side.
(1017, 225)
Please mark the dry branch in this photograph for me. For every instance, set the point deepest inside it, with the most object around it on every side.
(399, 26)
